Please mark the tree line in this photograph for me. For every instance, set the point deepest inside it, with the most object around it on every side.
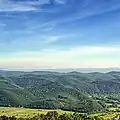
(53, 115)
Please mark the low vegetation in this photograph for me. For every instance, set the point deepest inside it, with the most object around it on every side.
(30, 114)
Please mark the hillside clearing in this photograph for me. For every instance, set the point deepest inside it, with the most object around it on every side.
(25, 112)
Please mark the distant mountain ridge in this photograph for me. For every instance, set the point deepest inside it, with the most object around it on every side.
(70, 91)
(82, 70)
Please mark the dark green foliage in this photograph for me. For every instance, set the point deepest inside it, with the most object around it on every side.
(53, 115)
(8, 118)
(74, 91)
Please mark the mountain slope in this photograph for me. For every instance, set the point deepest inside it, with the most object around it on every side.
(70, 91)
(12, 94)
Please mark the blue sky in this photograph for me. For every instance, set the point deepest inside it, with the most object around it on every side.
(59, 34)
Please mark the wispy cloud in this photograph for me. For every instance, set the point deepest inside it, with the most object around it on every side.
(2, 25)
(8, 6)
(51, 39)
(36, 26)
(29, 43)
(60, 1)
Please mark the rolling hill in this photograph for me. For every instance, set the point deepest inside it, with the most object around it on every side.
(75, 91)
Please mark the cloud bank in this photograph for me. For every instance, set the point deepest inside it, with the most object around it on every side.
(80, 57)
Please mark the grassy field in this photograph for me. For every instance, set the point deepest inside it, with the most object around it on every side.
(25, 112)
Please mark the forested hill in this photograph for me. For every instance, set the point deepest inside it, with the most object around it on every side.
(84, 92)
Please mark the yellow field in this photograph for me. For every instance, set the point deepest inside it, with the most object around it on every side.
(24, 112)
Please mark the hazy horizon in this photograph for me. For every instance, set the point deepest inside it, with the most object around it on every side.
(66, 70)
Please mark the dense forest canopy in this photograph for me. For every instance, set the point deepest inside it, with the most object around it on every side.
(73, 91)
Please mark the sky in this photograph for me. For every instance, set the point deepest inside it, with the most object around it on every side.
(52, 34)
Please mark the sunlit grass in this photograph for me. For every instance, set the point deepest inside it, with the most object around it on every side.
(25, 112)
